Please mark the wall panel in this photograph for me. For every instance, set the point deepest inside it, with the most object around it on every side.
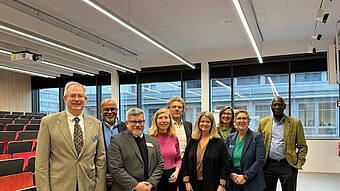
(15, 91)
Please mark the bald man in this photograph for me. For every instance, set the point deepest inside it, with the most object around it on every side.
(111, 126)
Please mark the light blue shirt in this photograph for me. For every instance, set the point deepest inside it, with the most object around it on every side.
(277, 150)
(109, 131)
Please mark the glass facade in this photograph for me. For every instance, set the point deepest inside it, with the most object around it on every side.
(306, 91)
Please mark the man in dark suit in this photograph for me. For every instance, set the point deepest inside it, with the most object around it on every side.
(111, 126)
(286, 147)
(71, 150)
(135, 159)
(176, 106)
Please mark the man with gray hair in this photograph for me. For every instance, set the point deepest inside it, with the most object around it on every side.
(71, 152)
(135, 159)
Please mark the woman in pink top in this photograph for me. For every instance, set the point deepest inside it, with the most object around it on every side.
(164, 131)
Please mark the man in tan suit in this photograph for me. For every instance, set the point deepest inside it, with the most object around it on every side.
(70, 149)
(286, 147)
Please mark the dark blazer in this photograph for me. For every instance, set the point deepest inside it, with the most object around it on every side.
(216, 164)
(188, 129)
(126, 163)
(252, 160)
(294, 139)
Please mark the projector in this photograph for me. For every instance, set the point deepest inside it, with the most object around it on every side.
(26, 57)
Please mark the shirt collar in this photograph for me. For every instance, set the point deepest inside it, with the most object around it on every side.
(279, 121)
(71, 117)
(175, 122)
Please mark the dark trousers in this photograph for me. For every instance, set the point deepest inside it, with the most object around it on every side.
(180, 183)
(200, 185)
(280, 170)
(164, 184)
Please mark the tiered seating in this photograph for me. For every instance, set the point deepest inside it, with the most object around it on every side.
(15, 127)
(3, 113)
(21, 121)
(16, 181)
(19, 146)
(35, 121)
(11, 166)
(32, 127)
(27, 134)
(18, 134)
(25, 156)
(5, 156)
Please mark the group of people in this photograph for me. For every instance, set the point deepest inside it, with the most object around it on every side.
(77, 152)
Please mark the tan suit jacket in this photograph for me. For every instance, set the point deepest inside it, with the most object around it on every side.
(57, 166)
(295, 145)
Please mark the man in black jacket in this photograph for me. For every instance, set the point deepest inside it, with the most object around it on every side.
(176, 106)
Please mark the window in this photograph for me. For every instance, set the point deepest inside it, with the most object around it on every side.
(314, 103)
(192, 98)
(49, 100)
(155, 96)
(220, 93)
(91, 105)
(128, 99)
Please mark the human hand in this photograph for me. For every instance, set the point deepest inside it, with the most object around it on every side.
(240, 180)
(143, 186)
(188, 186)
(174, 176)
(233, 176)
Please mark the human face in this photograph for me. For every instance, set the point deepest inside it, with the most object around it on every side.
(109, 112)
(205, 124)
(176, 110)
(163, 122)
(226, 116)
(135, 124)
(242, 121)
(75, 99)
(278, 106)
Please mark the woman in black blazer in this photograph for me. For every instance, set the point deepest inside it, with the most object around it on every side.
(247, 152)
(206, 164)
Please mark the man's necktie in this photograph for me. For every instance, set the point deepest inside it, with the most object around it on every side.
(78, 135)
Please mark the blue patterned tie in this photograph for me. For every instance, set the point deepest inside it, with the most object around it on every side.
(78, 135)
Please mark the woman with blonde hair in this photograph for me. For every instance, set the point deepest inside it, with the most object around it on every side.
(164, 131)
(206, 163)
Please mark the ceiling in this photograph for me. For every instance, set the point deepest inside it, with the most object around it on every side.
(197, 30)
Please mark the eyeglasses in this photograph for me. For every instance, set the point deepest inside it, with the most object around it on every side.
(228, 114)
(139, 122)
(74, 96)
(242, 118)
(112, 109)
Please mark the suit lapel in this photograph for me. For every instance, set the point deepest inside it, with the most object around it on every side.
(133, 144)
(87, 133)
(65, 131)
(148, 141)
(286, 128)
(233, 142)
(247, 142)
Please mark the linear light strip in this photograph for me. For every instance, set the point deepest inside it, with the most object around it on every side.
(64, 48)
(134, 29)
(246, 26)
(66, 68)
(5, 52)
(273, 86)
(26, 72)
(229, 88)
